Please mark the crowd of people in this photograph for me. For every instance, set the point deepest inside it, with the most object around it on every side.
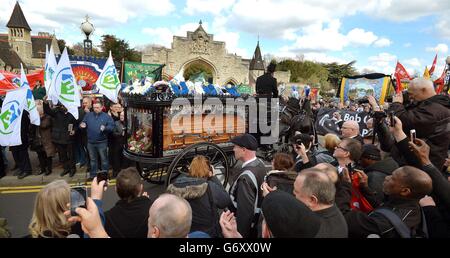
(341, 187)
(94, 140)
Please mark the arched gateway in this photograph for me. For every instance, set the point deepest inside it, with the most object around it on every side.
(198, 48)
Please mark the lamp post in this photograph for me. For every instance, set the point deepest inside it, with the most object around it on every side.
(87, 28)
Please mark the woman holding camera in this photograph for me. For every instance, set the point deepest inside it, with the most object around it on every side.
(304, 150)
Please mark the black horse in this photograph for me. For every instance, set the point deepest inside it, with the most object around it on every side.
(296, 116)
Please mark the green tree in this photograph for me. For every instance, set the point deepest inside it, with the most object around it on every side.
(78, 50)
(311, 73)
(119, 48)
(337, 71)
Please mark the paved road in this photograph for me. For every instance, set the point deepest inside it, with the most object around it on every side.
(17, 203)
(17, 196)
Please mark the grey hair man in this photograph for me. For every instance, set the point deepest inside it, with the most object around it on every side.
(170, 216)
(317, 191)
(429, 115)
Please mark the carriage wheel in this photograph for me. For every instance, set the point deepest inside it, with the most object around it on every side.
(154, 176)
(217, 158)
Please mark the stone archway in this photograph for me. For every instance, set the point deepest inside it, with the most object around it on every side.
(199, 64)
(231, 81)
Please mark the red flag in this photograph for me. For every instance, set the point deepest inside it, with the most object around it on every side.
(399, 84)
(401, 72)
(33, 77)
(433, 65)
(440, 82)
(9, 81)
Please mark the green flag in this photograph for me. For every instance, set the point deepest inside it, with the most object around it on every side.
(134, 70)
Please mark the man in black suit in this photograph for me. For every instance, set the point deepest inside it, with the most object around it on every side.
(266, 84)
(266, 88)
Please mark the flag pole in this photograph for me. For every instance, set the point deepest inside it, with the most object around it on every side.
(123, 69)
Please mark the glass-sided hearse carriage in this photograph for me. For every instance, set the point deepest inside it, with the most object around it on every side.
(163, 135)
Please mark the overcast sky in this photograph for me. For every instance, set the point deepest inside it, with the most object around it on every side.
(376, 33)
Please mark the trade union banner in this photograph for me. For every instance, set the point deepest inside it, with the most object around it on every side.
(138, 71)
(357, 87)
(86, 70)
(325, 123)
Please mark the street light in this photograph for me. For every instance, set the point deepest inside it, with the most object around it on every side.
(87, 28)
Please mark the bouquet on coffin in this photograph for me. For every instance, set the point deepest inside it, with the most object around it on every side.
(141, 140)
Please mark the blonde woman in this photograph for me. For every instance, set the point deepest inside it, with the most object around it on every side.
(204, 193)
(48, 219)
(326, 156)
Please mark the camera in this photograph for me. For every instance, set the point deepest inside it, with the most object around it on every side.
(78, 197)
(391, 119)
(379, 115)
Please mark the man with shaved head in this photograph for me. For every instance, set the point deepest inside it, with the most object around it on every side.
(428, 114)
(170, 216)
(350, 129)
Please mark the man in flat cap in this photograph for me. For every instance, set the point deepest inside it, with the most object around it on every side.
(245, 191)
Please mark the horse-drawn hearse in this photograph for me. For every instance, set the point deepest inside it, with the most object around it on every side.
(164, 131)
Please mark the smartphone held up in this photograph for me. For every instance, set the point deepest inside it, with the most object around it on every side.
(78, 198)
(413, 135)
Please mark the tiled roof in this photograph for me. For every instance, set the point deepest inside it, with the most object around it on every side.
(17, 19)
(9, 56)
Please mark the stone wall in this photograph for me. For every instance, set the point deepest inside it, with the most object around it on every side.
(199, 46)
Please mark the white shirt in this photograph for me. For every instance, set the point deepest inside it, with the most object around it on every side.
(248, 161)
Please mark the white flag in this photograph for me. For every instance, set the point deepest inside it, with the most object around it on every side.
(66, 87)
(11, 117)
(31, 105)
(49, 73)
(108, 81)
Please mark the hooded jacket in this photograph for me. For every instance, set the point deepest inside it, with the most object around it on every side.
(205, 197)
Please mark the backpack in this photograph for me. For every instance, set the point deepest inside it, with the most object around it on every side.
(402, 229)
